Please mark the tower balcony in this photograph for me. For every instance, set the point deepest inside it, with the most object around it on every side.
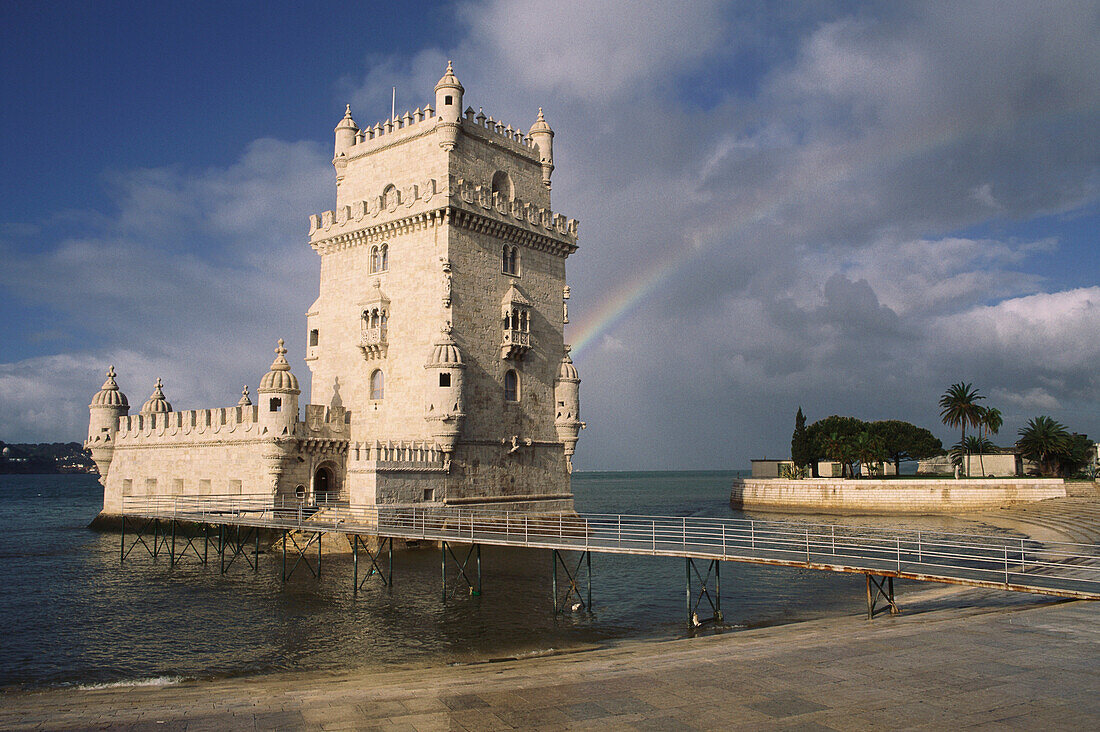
(516, 344)
(372, 342)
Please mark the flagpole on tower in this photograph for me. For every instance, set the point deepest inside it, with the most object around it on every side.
(393, 105)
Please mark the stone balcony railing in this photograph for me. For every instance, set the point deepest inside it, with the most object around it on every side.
(372, 341)
(515, 344)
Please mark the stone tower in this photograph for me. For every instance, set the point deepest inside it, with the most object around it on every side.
(439, 322)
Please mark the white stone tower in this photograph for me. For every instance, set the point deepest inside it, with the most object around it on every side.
(439, 323)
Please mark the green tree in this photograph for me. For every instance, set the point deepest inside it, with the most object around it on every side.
(972, 445)
(802, 449)
(905, 441)
(1045, 441)
(1079, 454)
(959, 408)
(833, 438)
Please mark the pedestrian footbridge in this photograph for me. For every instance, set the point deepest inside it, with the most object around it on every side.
(232, 526)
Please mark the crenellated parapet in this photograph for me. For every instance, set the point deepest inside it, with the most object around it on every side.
(396, 456)
(390, 203)
(241, 422)
(412, 206)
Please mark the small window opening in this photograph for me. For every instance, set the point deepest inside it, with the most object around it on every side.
(511, 386)
(429, 494)
(314, 336)
(377, 385)
(448, 99)
(444, 379)
(276, 404)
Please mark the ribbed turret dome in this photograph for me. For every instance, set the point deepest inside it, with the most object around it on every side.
(347, 122)
(279, 377)
(449, 80)
(109, 394)
(156, 404)
(445, 352)
(540, 124)
(568, 370)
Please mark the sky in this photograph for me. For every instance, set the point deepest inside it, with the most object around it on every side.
(839, 206)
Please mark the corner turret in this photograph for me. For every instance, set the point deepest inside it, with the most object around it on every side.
(448, 105)
(446, 406)
(567, 414)
(278, 397)
(108, 405)
(543, 137)
(345, 131)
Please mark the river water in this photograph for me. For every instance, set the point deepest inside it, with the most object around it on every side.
(74, 615)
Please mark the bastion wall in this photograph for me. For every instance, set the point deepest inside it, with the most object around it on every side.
(918, 496)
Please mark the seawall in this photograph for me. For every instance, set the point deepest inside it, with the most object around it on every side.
(914, 496)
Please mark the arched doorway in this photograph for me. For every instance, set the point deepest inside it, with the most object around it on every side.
(324, 484)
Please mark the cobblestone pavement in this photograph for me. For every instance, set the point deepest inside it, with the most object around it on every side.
(1032, 665)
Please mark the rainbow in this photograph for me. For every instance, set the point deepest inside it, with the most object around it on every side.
(614, 309)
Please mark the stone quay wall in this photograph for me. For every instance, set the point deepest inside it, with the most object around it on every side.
(917, 496)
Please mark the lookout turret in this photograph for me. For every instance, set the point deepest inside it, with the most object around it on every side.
(345, 131)
(108, 405)
(278, 396)
(448, 105)
(543, 137)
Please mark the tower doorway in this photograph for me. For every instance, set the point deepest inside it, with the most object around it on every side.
(324, 484)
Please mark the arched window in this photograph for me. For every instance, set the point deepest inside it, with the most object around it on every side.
(513, 261)
(502, 184)
(383, 258)
(511, 386)
(505, 262)
(377, 384)
(382, 324)
(375, 263)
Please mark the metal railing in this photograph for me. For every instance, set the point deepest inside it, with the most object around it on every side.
(1056, 568)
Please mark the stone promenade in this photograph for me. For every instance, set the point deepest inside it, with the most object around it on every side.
(979, 663)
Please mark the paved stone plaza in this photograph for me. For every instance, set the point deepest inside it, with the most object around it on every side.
(989, 660)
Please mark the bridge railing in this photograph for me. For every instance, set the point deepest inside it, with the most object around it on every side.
(1011, 562)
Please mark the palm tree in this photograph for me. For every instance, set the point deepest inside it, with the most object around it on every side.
(959, 407)
(868, 450)
(837, 447)
(990, 423)
(1044, 440)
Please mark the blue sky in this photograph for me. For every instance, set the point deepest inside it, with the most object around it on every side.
(842, 207)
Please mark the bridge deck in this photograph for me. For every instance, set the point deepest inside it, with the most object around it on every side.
(1061, 569)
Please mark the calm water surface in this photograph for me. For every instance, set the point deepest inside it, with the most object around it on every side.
(74, 615)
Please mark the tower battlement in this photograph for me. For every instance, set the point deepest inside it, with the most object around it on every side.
(414, 198)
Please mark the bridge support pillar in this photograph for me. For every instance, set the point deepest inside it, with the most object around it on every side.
(572, 591)
(693, 601)
(880, 588)
(300, 554)
(386, 577)
(473, 553)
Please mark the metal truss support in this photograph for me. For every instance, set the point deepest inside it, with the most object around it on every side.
(694, 601)
(474, 585)
(300, 550)
(189, 540)
(387, 576)
(884, 589)
(233, 542)
(139, 536)
(572, 591)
